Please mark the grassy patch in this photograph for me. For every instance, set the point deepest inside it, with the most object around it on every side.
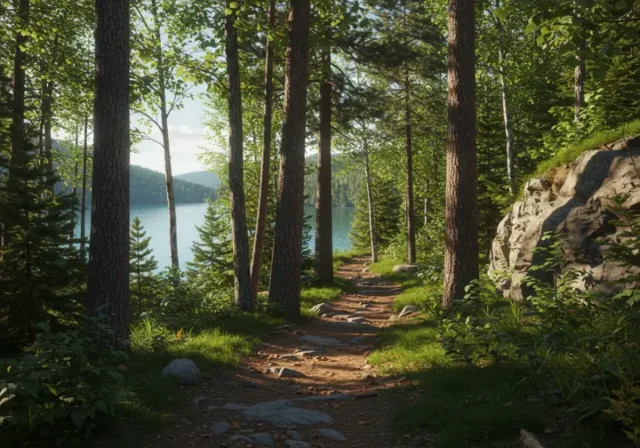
(322, 292)
(571, 153)
(342, 256)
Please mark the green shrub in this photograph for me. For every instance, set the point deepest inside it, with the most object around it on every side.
(62, 386)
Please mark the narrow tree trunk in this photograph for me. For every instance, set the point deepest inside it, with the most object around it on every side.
(324, 237)
(83, 200)
(461, 248)
(48, 139)
(108, 283)
(372, 221)
(284, 290)
(410, 212)
(580, 73)
(427, 202)
(166, 144)
(75, 190)
(236, 181)
(508, 130)
(263, 199)
(18, 142)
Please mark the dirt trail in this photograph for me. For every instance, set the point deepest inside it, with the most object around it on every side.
(364, 417)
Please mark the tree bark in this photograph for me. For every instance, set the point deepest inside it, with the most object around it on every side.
(410, 212)
(461, 248)
(263, 199)
(83, 200)
(48, 139)
(18, 142)
(75, 189)
(108, 283)
(508, 130)
(324, 237)
(166, 144)
(580, 74)
(236, 180)
(372, 221)
(427, 203)
(284, 290)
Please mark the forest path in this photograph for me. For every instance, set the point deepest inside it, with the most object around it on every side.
(338, 383)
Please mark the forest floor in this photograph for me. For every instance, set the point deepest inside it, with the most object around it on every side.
(338, 382)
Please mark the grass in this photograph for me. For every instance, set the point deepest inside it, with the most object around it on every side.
(323, 292)
(571, 153)
(463, 405)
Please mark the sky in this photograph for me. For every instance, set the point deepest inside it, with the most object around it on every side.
(186, 136)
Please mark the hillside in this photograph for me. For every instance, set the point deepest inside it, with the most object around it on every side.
(345, 183)
(204, 178)
(148, 187)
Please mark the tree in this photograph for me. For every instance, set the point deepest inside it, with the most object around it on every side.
(263, 198)
(461, 248)
(142, 265)
(108, 283)
(243, 296)
(284, 289)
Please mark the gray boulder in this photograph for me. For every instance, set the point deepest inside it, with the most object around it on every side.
(285, 414)
(574, 202)
(184, 370)
(405, 269)
(322, 308)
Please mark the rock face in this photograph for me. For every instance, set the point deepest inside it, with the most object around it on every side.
(575, 204)
(184, 370)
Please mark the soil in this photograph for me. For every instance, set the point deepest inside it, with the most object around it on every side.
(364, 418)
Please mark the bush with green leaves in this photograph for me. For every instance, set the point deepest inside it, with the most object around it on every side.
(62, 386)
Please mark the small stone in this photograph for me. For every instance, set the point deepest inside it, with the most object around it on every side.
(357, 319)
(322, 308)
(234, 407)
(296, 444)
(289, 357)
(295, 435)
(311, 353)
(197, 401)
(221, 427)
(319, 340)
(407, 310)
(285, 372)
(331, 434)
(262, 439)
(342, 316)
(184, 370)
(405, 268)
(285, 414)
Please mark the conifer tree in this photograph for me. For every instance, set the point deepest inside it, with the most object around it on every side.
(142, 265)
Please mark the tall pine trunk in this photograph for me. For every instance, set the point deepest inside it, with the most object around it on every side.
(461, 248)
(324, 237)
(83, 200)
(508, 129)
(286, 265)
(372, 221)
(236, 181)
(409, 210)
(18, 143)
(166, 144)
(263, 199)
(108, 283)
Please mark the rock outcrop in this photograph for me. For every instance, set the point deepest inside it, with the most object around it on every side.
(574, 202)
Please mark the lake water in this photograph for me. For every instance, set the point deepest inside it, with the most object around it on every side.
(155, 219)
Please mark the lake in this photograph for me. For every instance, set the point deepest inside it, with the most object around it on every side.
(155, 219)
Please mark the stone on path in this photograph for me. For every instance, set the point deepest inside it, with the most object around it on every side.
(331, 434)
(234, 407)
(405, 268)
(197, 401)
(319, 340)
(311, 353)
(285, 372)
(289, 357)
(184, 370)
(262, 439)
(333, 397)
(322, 308)
(342, 316)
(357, 319)
(221, 427)
(295, 435)
(284, 414)
(409, 309)
(296, 444)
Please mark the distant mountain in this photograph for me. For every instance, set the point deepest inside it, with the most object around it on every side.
(204, 178)
(148, 187)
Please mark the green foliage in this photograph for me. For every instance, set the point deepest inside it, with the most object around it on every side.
(59, 390)
(345, 182)
(142, 266)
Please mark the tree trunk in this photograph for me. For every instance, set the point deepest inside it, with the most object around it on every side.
(410, 212)
(284, 290)
(580, 74)
(108, 283)
(372, 222)
(263, 199)
(166, 144)
(48, 139)
(236, 181)
(427, 202)
(461, 248)
(75, 189)
(508, 130)
(324, 237)
(18, 142)
(83, 200)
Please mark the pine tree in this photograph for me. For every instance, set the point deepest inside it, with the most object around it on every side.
(212, 265)
(142, 265)
(41, 273)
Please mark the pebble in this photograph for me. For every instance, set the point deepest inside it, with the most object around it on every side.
(289, 357)
(262, 439)
(285, 372)
(197, 401)
(357, 319)
(221, 427)
(331, 434)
